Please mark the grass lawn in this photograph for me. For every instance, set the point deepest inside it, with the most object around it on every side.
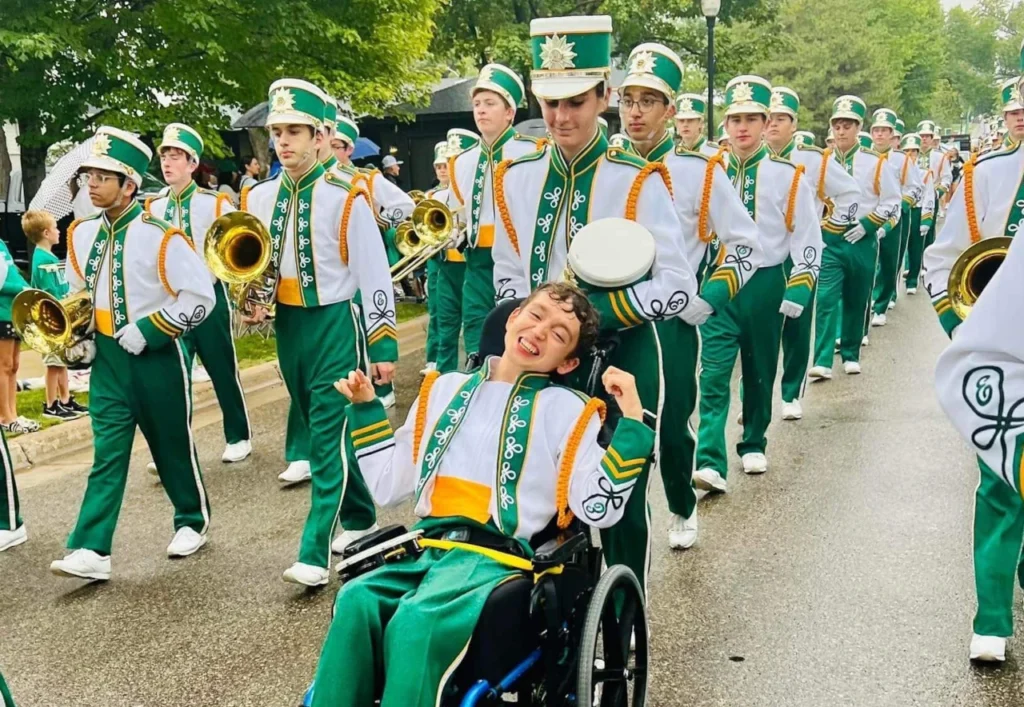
(30, 405)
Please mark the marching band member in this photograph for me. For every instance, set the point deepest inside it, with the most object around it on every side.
(851, 250)
(546, 197)
(703, 198)
(12, 530)
(325, 248)
(781, 203)
(145, 298)
(830, 182)
(400, 630)
(496, 95)
(934, 160)
(889, 267)
(192, 210)
(691, 109)
(440, 192)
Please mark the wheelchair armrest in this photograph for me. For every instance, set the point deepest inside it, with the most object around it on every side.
(559, 550)
(374, 539)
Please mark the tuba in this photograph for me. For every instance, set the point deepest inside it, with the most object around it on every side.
(973, 270)
(429, 230)
(238, 251)
(51, 326)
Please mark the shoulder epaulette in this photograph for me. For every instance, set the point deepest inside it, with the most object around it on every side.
(584, 398)
(782, 160)
(152, 220)
(529, 156)
(681, 151)
(620, 156)
(334, 179)
(869, 151)
(810, 148)
(1003, 152)
(210, 192)
(526, 138)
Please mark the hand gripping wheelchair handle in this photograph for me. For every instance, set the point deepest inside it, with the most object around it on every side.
(559, 551)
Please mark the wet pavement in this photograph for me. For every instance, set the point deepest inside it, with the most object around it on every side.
(841, 577)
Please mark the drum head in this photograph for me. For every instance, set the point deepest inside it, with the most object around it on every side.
(611, 253)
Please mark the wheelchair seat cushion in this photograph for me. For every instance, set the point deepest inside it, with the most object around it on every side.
(504, 634)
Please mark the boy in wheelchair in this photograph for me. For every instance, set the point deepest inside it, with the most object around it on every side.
(492, 458)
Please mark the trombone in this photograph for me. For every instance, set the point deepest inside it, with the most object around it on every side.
(429, 230)
(973, 270)
(238, 251)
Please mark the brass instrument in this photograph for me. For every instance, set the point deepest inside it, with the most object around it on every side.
(238, 251)
(49, 325)
(972, 271)
(417, 196)
(429, 230)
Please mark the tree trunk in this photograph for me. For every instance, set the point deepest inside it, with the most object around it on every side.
(5, 166)
(260, 143)
(33, 158)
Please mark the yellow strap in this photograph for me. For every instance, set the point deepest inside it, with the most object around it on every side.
(503, 558)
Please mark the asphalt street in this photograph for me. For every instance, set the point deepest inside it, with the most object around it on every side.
(843, 576)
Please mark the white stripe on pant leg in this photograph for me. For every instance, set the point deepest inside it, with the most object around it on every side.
(344, 488)
(192, 452)
(362, 351)
(12, 515)
(657, 448)
(234, 360)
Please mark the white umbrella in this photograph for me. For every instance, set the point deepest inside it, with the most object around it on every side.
(54, 193)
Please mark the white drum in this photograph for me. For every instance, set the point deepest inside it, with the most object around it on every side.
(611, 253)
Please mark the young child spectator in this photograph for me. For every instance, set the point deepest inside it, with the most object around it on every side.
(40, 229)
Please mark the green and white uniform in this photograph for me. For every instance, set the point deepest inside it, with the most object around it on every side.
(400, 631)
(10, 509)
(144, 276)
(779, 200)
(694, 106)
(848, 269)
(937, 170)
(193, 211)
(326, 247)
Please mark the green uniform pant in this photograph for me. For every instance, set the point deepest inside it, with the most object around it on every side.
(296, 440)
(5, 694)
(215, 345)
(400, 631)
(151, 391)
(10, 509)
(915, 249)
(751, 326)
(477, 295)
(433, 339)
(888, 269)
(316, 346)
(640, 353)
(844, 295)
(998, 535)
(450, 282)
(680, 343)
(796, 348)
(908, 224)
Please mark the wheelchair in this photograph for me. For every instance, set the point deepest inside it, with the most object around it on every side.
(564, 634)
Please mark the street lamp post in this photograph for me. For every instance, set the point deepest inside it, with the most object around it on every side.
(711, 8)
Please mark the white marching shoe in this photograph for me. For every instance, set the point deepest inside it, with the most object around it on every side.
(911, 290)
(431, 366)
(755, 463)
(85, 564)
(739, 418)
(186, 542)
(878, 320)
(792, 411)
(820, 373)
(350, 536)
(709, 480)
(851, 368)
(989, 649)
(199, 374)
(151, 468)
(864, 341)
(296, 473)
(892, 306)
(682, 532)
(10, 538)
(236, 451)
(309, 575)
(389, 400)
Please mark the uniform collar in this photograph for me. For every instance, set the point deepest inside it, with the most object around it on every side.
(586, 159)
(125, 218)
(534, 381)
(786, 151)
(185, 193)
(489, 150)
(758, 155)
(311, 175)
(661, 149)
(330, 162)
(699, 145)
(847, 157)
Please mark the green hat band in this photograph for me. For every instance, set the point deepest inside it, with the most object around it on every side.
(586, 54)
(865, 140)
(346, 130)
(330, 113)
(926, 127)
(502, 83)
(1010, 96)
(850, 108)
(884, 119)
(784, 102)
(747, 97)
(122, 151)
(648, 67)
(186, 139)
(290, 102)
(691, 107)
(461, 141)
(803, 138)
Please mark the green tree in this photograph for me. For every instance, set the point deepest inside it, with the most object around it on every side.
(67, 66)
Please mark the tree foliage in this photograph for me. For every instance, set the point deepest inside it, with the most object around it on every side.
(68, 65)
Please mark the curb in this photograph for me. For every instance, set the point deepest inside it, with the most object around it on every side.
(50, 445)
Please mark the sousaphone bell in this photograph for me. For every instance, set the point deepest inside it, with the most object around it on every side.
(973, 270)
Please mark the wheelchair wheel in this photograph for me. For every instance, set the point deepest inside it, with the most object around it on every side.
(608, 673)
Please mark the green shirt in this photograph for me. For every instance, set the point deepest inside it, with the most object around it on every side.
(48, 273)
(12, 284)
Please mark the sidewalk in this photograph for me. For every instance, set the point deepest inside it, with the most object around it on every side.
(68, 438)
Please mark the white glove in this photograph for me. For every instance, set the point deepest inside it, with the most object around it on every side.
(697, 312)
(791, 309)
(855, 234)
(131, 339)
(924, 231)
(82, 352)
